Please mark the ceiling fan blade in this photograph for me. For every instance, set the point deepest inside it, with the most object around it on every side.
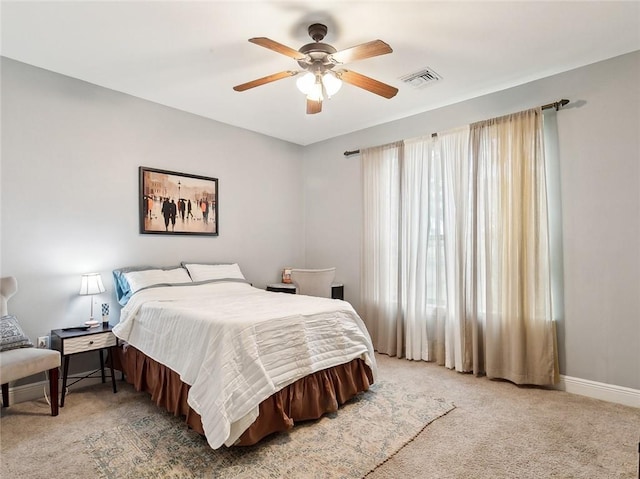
(366, 83)
(360, 52)
(313, 106)
(264, 80)
(277, 47)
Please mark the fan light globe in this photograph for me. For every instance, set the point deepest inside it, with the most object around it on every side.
(306, 82)
(331, 83)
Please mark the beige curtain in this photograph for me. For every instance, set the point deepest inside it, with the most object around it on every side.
(509, 284)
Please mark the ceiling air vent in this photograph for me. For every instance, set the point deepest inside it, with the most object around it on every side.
(420, 79)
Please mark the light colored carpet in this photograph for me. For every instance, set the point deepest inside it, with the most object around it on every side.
(500, 431)
(497, 430)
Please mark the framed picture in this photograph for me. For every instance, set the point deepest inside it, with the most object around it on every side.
(174, 203)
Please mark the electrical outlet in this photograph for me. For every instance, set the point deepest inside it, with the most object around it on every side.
(43, 342)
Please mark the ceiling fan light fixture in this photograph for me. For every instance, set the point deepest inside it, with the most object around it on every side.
(313, 86)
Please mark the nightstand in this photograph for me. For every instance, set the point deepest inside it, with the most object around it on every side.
(70, 342)
(337, 289)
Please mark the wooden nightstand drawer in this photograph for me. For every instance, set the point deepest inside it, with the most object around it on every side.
(88, 343)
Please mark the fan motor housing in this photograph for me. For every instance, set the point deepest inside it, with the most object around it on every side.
(317, 52)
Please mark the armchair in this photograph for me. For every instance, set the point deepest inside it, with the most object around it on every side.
(22, 362)
(313, 282)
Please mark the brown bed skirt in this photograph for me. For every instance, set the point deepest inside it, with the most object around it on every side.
(308, 398)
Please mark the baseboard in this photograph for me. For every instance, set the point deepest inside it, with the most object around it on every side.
(596, 390)
(582, 387)
(32, 391)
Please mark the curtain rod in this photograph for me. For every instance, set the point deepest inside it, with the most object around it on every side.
(556, 104)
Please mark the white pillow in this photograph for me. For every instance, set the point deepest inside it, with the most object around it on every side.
(142, 279)
(208, 272)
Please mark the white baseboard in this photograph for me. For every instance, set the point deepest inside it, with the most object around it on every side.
(32, 391)
(582, 387)
(596, 390)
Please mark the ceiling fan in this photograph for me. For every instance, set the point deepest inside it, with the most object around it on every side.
(318, 60)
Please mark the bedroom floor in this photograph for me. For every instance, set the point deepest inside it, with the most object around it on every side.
(497, 430)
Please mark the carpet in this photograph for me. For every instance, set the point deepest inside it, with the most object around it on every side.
(350, 443)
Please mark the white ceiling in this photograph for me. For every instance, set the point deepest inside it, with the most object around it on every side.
(189, 55)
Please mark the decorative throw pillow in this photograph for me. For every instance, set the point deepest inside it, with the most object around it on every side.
(11, 334)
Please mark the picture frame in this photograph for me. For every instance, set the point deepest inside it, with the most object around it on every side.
(173, 203)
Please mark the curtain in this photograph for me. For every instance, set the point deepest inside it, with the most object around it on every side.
(421, 285)
(379, 264)
(510, 249)
(459, 329)
(455, 265)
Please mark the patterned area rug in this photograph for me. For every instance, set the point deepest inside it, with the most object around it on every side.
(348, 444)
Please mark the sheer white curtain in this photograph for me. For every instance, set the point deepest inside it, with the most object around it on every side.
(460, 327)
(404, 255)
(455, 265)
(379, 264)
(422, 287)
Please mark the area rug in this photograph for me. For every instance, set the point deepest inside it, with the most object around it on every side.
(347, 444)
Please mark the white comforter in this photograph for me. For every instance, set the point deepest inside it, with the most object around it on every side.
(237, 345)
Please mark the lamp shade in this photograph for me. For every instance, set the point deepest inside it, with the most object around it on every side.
(91, 284)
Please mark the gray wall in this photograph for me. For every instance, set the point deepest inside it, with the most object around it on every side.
(69, 192)
(71, 150)
(599, 157)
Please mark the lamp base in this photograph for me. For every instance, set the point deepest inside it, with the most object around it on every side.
(92, 323)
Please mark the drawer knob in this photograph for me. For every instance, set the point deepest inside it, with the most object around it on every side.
(90, 342)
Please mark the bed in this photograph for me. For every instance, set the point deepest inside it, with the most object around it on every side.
(239, 363)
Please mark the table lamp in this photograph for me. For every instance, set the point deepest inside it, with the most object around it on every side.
(91, 284)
